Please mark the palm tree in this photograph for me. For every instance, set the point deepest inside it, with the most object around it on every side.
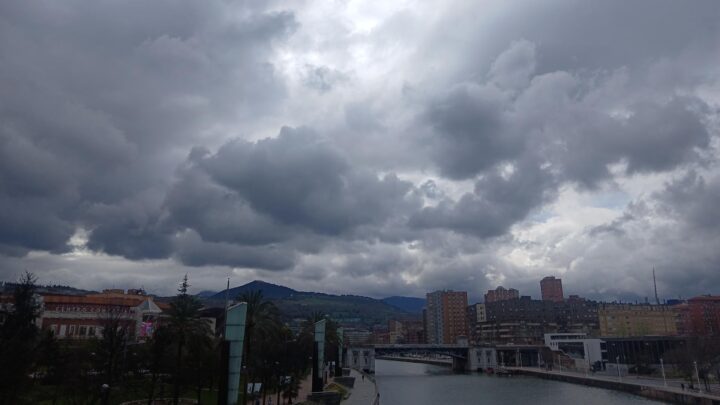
(184, 325)
(262, 322)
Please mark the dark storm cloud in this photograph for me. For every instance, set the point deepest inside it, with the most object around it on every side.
(695, 200)
(299, 179)
(193, 251)
(499, 201)
(99, 101)
(133, 229)
(220, 215)
(472, 132)
(566, 120)
(655, 137)
(258, 204)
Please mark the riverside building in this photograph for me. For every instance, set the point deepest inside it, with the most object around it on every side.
(624, 320)
(445, 316)
(501, 294)
(85, 316)
(551, 289)
(526, 321)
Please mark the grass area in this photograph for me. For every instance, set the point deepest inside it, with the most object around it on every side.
(44, 394)
(338, 388)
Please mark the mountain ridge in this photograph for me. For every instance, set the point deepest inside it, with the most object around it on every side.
(349, 310)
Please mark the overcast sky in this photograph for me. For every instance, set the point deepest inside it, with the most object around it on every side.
(374, 148)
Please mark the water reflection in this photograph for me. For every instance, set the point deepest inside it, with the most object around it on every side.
(419, 384)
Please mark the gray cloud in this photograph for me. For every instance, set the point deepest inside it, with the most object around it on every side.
(499, 201)
(323, 78)
(97, 100)
(299, 179)
(387, 154)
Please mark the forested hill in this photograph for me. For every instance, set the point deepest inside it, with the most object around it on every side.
(348, 309)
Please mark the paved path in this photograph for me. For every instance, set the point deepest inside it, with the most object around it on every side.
(364, 392)
(673, 385)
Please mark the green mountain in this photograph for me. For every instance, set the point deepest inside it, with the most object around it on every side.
(408, 304)
(269, 290)
(349, 310)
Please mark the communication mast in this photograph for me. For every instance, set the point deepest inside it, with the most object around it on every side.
(657, 300)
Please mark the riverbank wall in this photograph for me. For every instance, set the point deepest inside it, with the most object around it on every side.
(434, 362)
(651, 392)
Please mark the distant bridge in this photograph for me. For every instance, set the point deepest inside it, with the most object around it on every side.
(364, 357)
(464, 357)
(455, 351)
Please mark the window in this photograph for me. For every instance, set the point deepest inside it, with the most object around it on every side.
(82, 331)
(91, 331)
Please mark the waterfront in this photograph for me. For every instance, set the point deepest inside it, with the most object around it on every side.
(402, 383)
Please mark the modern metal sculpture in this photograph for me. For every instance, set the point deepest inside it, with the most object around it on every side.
(234, 340)
(319, 357)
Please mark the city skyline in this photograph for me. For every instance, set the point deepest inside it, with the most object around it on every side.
(368, 148)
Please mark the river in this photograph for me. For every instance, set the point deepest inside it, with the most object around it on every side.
(403, 383)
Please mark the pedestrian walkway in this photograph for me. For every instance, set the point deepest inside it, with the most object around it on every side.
(364, 392)
(672, 386)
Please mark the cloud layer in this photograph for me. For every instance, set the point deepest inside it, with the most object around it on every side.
(365, 148)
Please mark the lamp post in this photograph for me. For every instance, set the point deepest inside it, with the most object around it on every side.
(617, 364)
(697, 375)
(662, 368)
(587, 366)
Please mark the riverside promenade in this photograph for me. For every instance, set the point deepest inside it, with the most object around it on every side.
(646, 387)
(364, 392)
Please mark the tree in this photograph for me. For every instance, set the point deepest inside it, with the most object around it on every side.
(203, 359)
(184, 324)
(262, 323)
(331, 336)
(113, 343)
(18, 340)
(156, 348)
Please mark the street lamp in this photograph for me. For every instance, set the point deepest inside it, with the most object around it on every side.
(697, 375)
(617, 364)
(662, 368)
(587, 366)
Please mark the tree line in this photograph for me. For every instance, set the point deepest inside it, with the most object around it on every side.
(181, 359)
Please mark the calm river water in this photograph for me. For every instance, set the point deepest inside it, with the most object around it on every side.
(403, 383)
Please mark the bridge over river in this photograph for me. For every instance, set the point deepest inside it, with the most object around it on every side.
(464, 357)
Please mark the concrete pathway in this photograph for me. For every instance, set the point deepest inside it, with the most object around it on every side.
(364, 392)
(673, 385)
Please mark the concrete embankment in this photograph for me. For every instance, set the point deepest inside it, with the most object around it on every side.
(665, 394)
(435, 362)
